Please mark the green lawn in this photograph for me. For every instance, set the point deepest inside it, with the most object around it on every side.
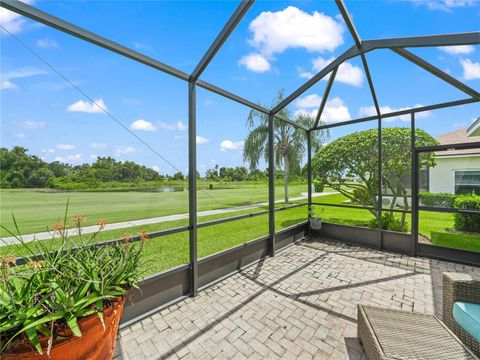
(35, 210)
(168, 251)
(172, 250)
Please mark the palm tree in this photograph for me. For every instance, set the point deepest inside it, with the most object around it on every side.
(290, 142)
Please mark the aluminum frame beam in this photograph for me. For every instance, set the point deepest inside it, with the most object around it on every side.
(231, 24)
(271, 187)
(348, 54)
(326, 93)
(401, 112)
(76, 31)
(436, 71)
(470, 38)
(192, 187)
(348, 20)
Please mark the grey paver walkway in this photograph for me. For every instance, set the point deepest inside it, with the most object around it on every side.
(300, 304)
(126, 224)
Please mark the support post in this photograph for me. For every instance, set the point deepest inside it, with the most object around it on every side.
(309, 170)
(271, 187)
(192, 187)
(380, 178)
(414, 186)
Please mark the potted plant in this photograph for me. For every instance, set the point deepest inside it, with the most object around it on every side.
(66, 303)
(315, 218)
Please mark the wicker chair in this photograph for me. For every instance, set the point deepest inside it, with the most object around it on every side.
(460, 287)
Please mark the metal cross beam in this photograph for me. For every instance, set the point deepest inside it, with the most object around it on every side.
(400, 113)
(348, 20)
(326, 93)
(353, 51)
(241, 10)
(436, 71)
(470, 38)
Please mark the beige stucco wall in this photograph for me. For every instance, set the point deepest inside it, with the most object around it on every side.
(442, 176)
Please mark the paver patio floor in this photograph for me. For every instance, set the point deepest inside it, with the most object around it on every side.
(300, 304)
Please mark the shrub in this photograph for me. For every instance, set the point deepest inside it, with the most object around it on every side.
(319, 185)
(389, 222)
(436, 200)
(465, 221)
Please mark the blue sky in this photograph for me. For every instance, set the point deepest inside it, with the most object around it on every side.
(278, 45)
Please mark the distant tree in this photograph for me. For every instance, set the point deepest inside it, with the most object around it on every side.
(355, 156)
(18, 169)
(178, 176)
(290, 142)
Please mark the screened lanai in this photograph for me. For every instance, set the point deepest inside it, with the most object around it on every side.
(220, 110)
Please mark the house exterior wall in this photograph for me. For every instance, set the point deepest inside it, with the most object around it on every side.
(442, 176)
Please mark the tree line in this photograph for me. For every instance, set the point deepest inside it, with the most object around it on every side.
(19, 169)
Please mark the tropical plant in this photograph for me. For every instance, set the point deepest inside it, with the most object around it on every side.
(349, 165)
(290, 142)
(45, 297)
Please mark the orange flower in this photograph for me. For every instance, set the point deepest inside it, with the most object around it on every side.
(143, 235)
(101, 223)
(126, 239)
(59, 226)
(79, 218)
(10, 260)
(7, 261)
(35, 264)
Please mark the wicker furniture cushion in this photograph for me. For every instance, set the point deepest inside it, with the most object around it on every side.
(393, 334)
(467, 315)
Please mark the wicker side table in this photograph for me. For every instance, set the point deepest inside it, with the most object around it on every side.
(392, 334)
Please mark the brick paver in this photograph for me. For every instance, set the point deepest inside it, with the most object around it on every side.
(300, 304)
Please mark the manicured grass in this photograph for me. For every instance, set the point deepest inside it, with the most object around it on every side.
(36, 210)
(169, 251)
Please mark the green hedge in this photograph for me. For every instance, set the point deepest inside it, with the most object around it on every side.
(464, 221)
(436, 200)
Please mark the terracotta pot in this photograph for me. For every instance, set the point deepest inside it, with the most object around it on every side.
(95, 342)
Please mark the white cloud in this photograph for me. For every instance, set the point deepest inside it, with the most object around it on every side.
(11, 21)
(443, 5)
(156, 168)
(76, 158)
(98, 106)
(49, 151)
(65, 146)
(335, 110)
(32, 124)
(459, 49)
(231, 145)
(179, 125)
(290, 28)
(255, 62)
(98, 145)
(125, 150)
(142, 125)
(471, 70)
(47, 43)
(347, 73)
(202, 140)
(178, 137)
(370, 111)
(7, 84)
(275, 32)
(309, 101)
